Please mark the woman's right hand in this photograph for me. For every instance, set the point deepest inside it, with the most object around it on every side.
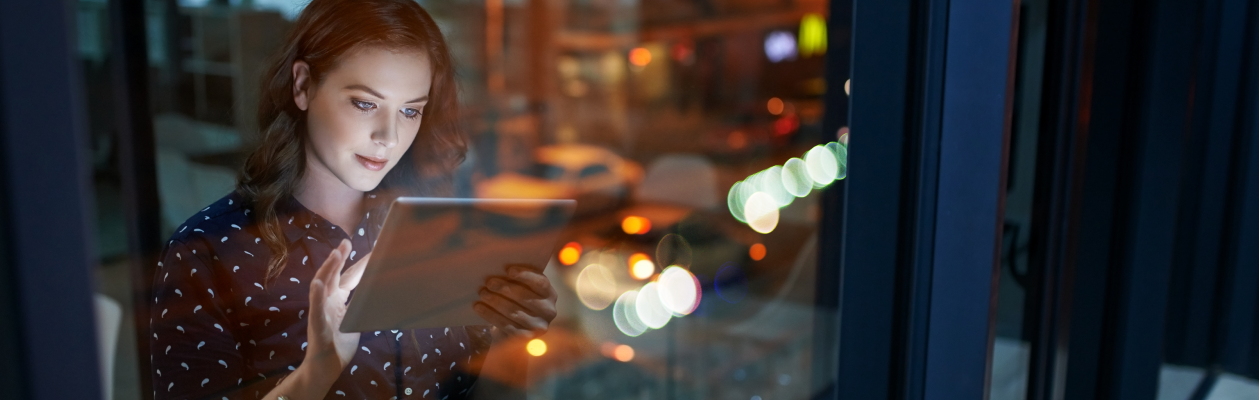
(329, 348)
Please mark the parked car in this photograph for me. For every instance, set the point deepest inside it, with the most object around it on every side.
(596, 177)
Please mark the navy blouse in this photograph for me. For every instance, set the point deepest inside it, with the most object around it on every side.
(221, 331)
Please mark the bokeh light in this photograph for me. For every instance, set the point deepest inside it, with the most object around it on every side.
(841, 158)
(570, 253)
(642, 269)
(735, 200)
(730, 283)
(795, 178)
(757, 252)
(737, 140)
(536, 347)
(673, 249)
(596, 286)
(640, 56)
(623, 353)
(650, 310)
(775, 106)
(770, 181)
(812, 39)
(625, 316)
(679, 290)
(821, 165)
(635, 225)
(779, 46)
(761, 212)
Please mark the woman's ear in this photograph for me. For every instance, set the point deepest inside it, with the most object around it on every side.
(301, 84)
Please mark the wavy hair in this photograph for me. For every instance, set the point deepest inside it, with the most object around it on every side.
(325, 31)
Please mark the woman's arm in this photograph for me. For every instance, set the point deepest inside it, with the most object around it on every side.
(191, 339)
(521, 306)
(330, 349)
(503, 373)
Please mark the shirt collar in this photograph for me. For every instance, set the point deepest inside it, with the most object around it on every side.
(298, 222)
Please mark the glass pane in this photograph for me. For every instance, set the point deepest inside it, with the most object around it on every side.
(688, 132)
(1012, 346)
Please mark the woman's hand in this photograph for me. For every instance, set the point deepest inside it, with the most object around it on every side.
(521, 304)
(329, 291)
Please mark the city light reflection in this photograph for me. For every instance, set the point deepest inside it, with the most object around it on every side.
(596, 287)
(761, 212)
(673, 249)
(795, 178)
(625, 316)
(770, 181)
(757, 252)
(679, 290)
(650, 310)
(822, 166)
(636, 225)
(536, 347)
(570, 253)
(623, 353)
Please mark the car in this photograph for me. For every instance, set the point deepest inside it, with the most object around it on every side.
(598, 178)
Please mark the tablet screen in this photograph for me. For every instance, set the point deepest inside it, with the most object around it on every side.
(433, 255)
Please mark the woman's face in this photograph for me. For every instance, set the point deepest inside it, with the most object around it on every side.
(364, 114)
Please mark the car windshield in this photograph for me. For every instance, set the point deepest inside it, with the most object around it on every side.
(550, 172)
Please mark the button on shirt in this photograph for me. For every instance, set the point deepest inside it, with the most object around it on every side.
(220, 329)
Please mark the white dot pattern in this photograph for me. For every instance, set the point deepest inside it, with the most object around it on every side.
(210, 351)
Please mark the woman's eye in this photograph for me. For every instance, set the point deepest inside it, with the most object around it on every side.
(363, 105)
(410, 113)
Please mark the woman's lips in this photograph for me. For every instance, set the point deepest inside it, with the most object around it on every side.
(372, 163)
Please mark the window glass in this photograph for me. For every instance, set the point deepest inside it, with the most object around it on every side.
(689, 133)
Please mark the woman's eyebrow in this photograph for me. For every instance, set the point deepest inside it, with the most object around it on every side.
(366, 89)
(378, 95)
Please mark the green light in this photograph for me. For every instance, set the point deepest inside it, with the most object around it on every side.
(841, 158)
(734, 200)
(795, 177)
(821, 164)
(770, 181)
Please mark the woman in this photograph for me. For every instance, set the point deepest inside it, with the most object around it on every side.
(358, 108)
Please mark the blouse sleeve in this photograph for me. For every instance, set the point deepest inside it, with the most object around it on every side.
(194, 352)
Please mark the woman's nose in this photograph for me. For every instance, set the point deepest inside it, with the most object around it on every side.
(386, 134)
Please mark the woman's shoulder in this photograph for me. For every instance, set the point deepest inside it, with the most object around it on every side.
(227, 214)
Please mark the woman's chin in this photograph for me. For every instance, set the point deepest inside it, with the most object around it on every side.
(366, 183)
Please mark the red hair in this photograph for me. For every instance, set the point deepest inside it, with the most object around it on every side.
(326, 31)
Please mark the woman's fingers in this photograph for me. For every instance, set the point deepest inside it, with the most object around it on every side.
(524, 296)
(498, 320)
(318, 293)
(330, 271)
(535, 281)
(349, 279)
(513, 312)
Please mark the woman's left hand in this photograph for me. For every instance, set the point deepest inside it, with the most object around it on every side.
(521, 304)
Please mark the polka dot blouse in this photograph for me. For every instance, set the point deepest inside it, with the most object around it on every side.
(220, 330)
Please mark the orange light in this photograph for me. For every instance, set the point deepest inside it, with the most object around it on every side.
(623, 353)
(757, 252)
(635, 225)
(536, 347)
(775, 106)
(640, 56)
(736, 140)
(570, 253)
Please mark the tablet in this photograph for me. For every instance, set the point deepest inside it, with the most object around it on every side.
(434, 254)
